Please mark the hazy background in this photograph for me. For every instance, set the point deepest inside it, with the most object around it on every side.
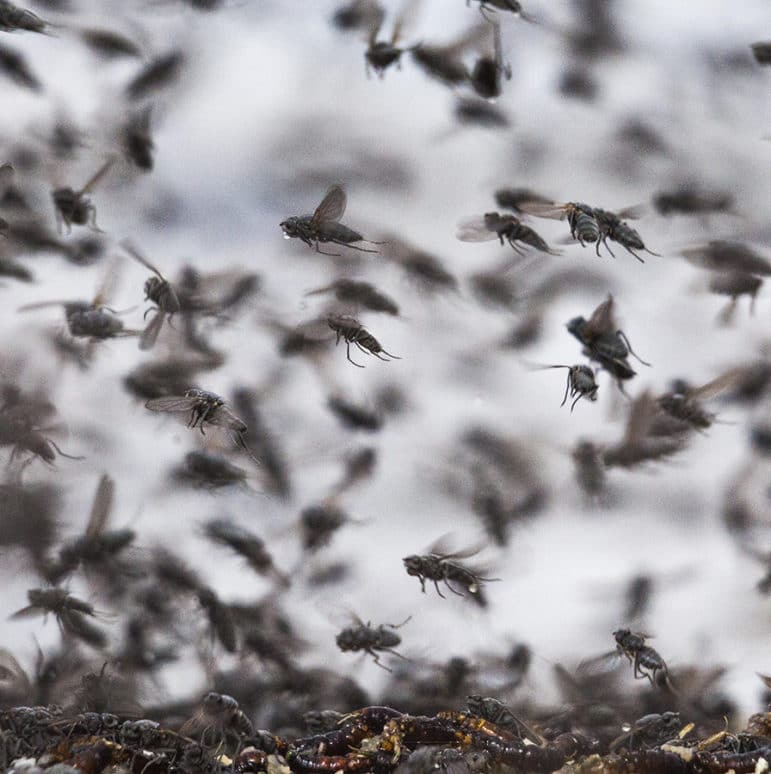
(273, 106)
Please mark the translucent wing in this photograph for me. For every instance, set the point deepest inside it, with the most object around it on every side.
(475, 36)
(108, 285)
(601, 320)
(132, 250)
(553, 210)
(404, 19)
(151, 331)
(332, 206)
(26, 612)
(224, 417)
(716, 386)
(102, 506)
(600, 665)
(640, 416)
(375, 27)
(171, 403)
(98, 175)
(475, 230)
(635, 212)
(441, 549)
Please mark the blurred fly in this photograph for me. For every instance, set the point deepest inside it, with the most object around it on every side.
(381, 54)
(370, 639)
(603, 340)
(14, 18)
(503, 5)
(156, 75)
(324, 225)
(503, 227)
(137, 139)
(74, 206)
(15, 66)
(98, 547)
(486, 77)
(158, 290)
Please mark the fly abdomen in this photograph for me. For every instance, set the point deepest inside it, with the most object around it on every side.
(583, 225)
(337, 232)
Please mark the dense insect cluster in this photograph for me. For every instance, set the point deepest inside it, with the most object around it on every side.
(193, 477)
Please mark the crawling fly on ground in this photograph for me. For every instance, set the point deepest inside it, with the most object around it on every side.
(324, 225)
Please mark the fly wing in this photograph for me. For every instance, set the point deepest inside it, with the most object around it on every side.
(599, 665)
(441, 548)
(475, 230)
(332, 206)
(224, 417)
(376, 24)
(151, 331)
(474, 37)
(108, 285)
(601, 320)
(171, 403)
(640, 416)
(552, 210)
(404, 19)
(133, 251)
(98, 175)
(635, 212)
(101, 507)
(718, 385)
(25, 612)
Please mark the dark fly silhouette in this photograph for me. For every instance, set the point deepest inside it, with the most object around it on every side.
(74, 207)
(324, 225)
(371, 639)
(204, 408)
(381, 54)
(158, 290)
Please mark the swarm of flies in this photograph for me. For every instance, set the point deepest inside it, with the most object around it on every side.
(360, 295)
(381, 54)
(445, 566)
(324, 225)
(373, 640)
(74, 207)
